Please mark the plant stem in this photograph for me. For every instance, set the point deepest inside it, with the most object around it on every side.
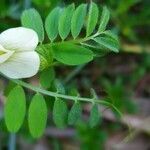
(79, 40)
(55, 94)
(12, 142)
(73, 98)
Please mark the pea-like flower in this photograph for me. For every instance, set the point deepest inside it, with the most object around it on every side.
(18, 58)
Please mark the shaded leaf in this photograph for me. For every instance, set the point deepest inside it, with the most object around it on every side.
(74, 114)
(72, 54)
(9, 87)
(65, 21)
(15, 109)
(32, 19)
(60, 113)
(104, 19)
(51, 23)
(37, 116)
(92, 18)
(46, 77)
(78, 19)
(94, 116)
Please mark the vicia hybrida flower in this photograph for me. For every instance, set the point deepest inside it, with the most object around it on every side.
(18, 58)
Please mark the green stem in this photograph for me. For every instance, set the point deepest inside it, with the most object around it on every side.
(74, 98)
(12, 142)
(79, 40)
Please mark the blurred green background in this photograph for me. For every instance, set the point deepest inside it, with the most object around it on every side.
(122, 78)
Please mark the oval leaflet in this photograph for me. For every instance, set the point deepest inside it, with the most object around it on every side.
(37, 116)
(15, 109)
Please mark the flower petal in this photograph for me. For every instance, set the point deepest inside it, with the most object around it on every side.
(19, 39)
(4, 54)
(21, 65)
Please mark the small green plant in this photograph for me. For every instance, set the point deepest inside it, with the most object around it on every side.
(62, 46)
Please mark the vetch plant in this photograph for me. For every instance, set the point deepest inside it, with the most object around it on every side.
(19, 59)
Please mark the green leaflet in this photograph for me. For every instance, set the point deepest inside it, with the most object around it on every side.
(37, 116)
(78, 19)
(72, 54)
(92, 18)
(65, 21)
(46, 77)
(15, 109)
(74, 114)
(32, 19)
(94, 116)
(108, 43)
(51, 23)
(60, 113)
(104, 19)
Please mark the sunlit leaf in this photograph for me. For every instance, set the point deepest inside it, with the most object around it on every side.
(37, 117)
(51, 23)
(92, 18)
(32, 19)
(78, 19)
(104, 19)
(72, 54)
(15, 109)
(65, 21)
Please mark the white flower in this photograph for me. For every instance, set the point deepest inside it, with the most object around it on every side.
(18, 58)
